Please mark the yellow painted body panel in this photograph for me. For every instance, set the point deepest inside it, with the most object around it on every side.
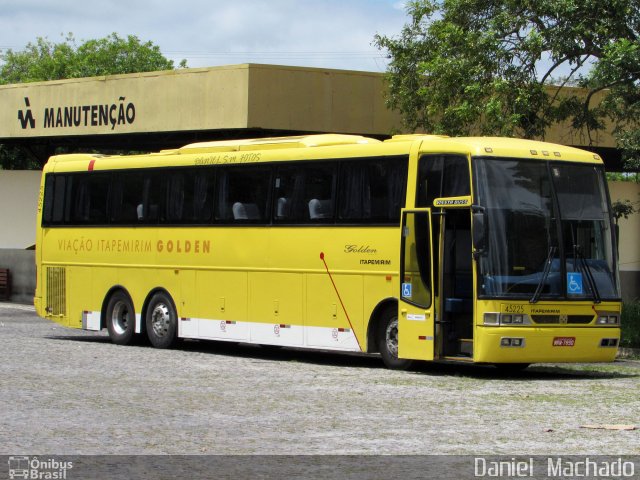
(538, 337)
(539, 347)
(254, 274)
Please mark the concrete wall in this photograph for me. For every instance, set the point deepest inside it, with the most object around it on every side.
(22, 264)
(175, 100)
(629, 240)
(319, 100)
(18, 203)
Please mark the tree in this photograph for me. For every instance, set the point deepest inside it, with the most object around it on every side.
(45, 60)
(622, 209)
(501, 67)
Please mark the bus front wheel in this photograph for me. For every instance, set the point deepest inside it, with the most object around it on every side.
(161, 321)
(121, 319)
(388, 340)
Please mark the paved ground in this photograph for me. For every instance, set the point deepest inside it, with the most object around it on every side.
(71, 392)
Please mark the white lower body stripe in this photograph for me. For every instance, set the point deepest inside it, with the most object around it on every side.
(269, 334)
(327, 338)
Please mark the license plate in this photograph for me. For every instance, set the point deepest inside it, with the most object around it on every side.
(564, 341)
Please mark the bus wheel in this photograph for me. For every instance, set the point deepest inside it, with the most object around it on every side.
(121, 319)
(161, 321)
(388, 341)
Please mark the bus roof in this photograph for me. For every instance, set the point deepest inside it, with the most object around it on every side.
(349, 144)
(509, 147)
(303, 141)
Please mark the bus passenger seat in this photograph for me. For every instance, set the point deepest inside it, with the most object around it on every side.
(282, 208)
(245, 211)
(319, 209)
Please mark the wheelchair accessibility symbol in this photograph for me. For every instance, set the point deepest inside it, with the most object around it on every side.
(574, 283)
(406, 290)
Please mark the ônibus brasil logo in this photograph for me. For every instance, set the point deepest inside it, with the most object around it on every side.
(36, 468)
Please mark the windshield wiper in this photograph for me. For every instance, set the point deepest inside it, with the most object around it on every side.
(588, 273)
(545, 274)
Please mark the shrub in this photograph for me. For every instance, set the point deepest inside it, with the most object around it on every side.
(630, 324)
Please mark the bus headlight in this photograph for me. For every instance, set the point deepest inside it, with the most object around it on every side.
(492, 319)
(495, 319)
(511, 342)
(608, 320)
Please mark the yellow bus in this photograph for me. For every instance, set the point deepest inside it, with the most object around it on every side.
(487, 250)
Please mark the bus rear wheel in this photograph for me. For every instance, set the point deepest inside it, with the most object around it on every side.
(121, 319)
(162, 321)
(388, 341)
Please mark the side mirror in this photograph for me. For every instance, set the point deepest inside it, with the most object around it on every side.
(479, 228)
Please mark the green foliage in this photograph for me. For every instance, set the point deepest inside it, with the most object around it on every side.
(622, 209)
(45, 60)
(15, 158)
(623, 177)
(630, 324)
(500, 67)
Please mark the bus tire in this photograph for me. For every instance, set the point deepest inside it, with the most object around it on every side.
(388, 340)
(121, 319)
(161, 321)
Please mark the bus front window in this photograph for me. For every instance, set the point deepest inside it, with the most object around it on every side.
(586, 232)
(522, 233)
(529, 233)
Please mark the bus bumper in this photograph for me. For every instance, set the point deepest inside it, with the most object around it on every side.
(545, 345)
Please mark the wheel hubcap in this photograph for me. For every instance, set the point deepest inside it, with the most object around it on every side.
(120, 318)
(391, 337)
(160, 320)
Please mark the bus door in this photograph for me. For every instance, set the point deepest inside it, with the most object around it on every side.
(454, 328)
(416, 308)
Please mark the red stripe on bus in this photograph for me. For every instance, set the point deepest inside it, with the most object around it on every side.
(339, 298)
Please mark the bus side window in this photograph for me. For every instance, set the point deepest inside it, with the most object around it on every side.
(243, 194)
(305, 193)
(47, 212)
(128, 203)
(319, 195)
(153, 198)
(89, 199)
(175, 197)
(188, 196)
(54, 199)
(442, 176)
(372, 190)
(201, 196)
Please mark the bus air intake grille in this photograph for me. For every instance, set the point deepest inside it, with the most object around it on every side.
(56, 291)
(562, 319)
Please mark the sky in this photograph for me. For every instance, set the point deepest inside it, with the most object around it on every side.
(322, 33)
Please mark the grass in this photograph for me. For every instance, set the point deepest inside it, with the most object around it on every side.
(630, 324)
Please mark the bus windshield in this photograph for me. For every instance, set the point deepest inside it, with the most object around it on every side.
(549, 233)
